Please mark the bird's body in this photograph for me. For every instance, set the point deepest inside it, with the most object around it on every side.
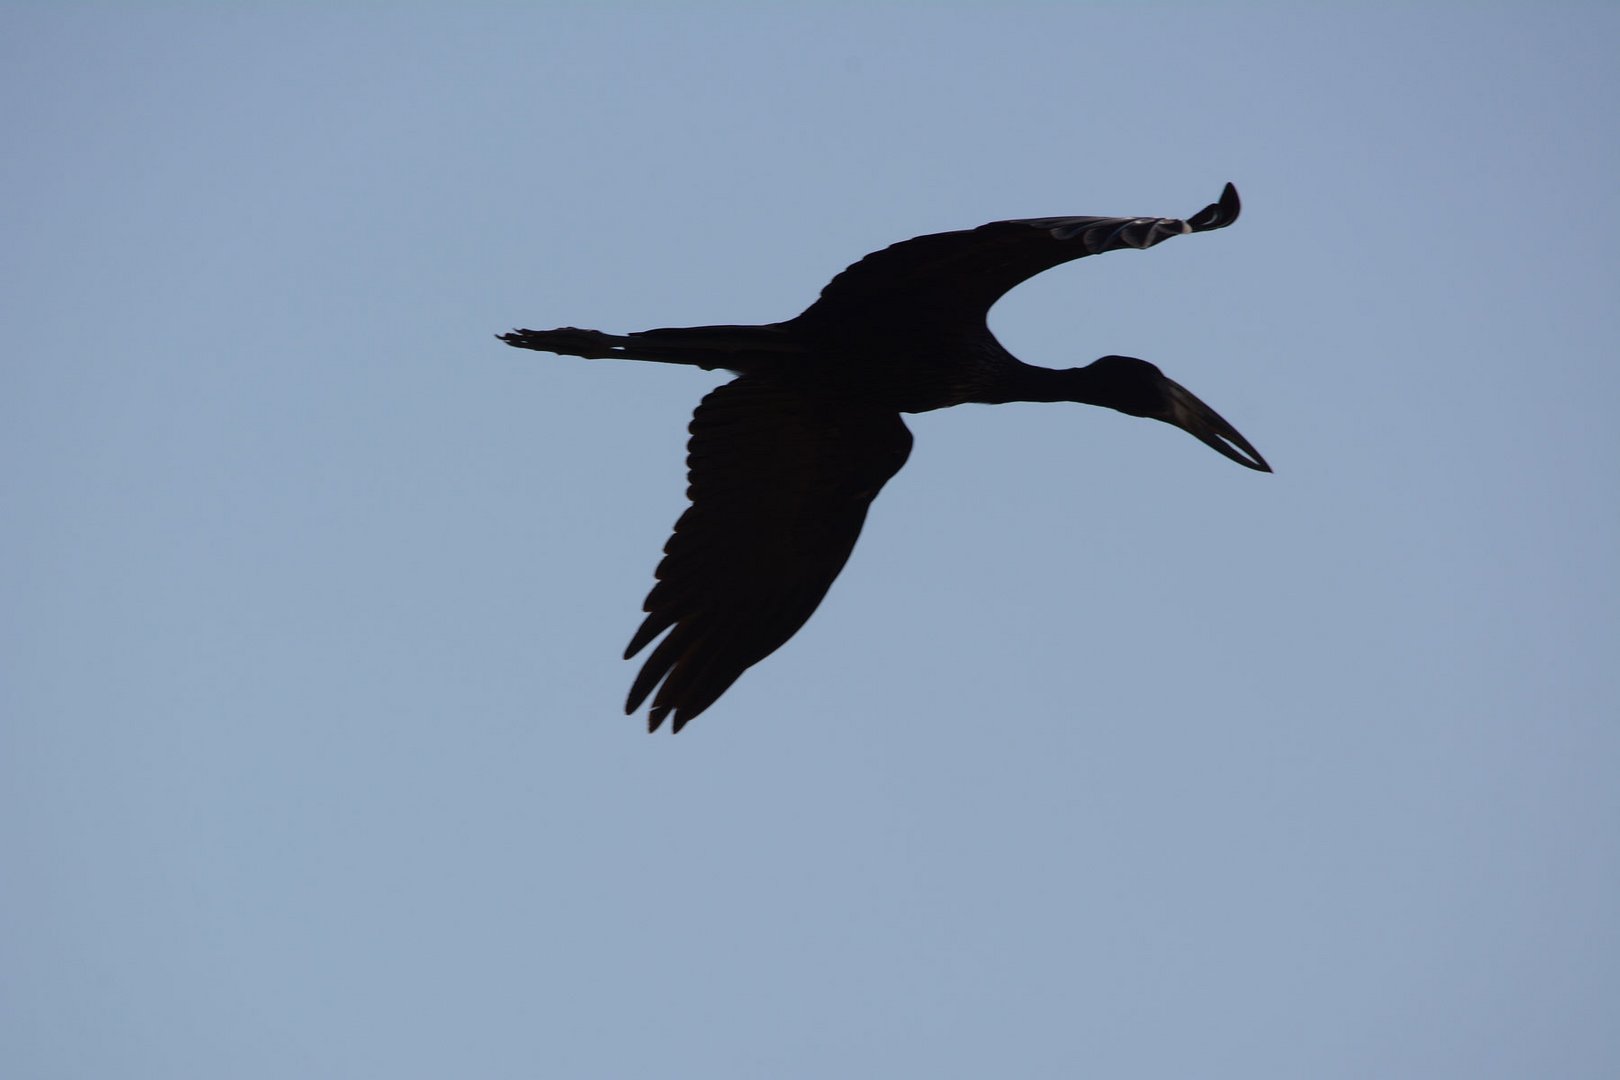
(785, 459)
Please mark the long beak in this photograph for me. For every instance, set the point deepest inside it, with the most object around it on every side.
(1205, 424)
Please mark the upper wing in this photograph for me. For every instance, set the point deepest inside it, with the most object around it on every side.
(948, 277)
(780, 481)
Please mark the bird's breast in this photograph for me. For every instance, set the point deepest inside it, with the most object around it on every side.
(918, 373)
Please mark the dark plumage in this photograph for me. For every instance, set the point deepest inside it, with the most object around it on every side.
(785, 459)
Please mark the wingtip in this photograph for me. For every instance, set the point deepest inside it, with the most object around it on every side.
(657, 714)
(1218, 214)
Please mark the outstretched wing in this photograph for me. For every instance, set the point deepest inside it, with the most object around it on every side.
(780, 481)
(957, 276)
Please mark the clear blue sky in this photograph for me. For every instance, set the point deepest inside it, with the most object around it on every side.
(1104, 757)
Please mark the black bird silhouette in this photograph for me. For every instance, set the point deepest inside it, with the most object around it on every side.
(785, 459)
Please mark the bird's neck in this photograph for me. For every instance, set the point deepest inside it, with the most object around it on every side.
(1029, 383)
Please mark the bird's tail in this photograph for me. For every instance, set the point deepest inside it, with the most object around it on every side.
(738, 348)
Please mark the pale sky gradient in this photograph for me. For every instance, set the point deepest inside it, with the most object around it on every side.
(1105, 757)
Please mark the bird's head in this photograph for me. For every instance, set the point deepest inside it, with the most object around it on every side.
(1138, 388)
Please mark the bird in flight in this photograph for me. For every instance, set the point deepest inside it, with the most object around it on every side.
(785, 459)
